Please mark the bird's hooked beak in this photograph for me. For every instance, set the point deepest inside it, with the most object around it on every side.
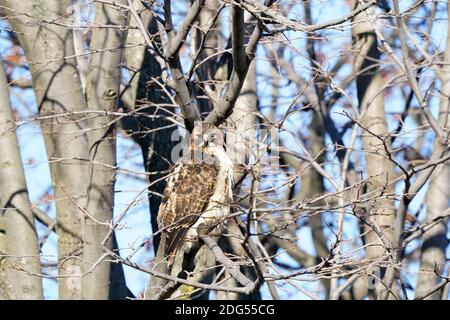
(204, 144)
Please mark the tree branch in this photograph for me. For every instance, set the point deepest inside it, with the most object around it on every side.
(240, 66)
(178, 40)
(231, 267)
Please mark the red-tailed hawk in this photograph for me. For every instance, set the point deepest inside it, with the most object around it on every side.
(198, 190)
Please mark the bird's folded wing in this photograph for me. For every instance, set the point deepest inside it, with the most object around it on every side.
(187, 194)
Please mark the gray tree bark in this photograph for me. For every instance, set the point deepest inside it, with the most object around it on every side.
(206, 42)
(438, 196)
(102, 92)
(381, 211)
(240, 139)
(49, 50)
(21, 267)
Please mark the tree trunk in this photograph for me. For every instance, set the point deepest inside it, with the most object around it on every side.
(21, 268)
(435, 240)
(380, 211)
(49, 50)
(240, 146)
(207, 40)
(102, 92)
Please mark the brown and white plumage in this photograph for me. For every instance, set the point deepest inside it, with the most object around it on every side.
(199, 189)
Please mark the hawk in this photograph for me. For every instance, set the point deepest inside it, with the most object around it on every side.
(198, 190)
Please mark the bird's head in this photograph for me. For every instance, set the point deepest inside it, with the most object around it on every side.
(208, 139)
(212, 138)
